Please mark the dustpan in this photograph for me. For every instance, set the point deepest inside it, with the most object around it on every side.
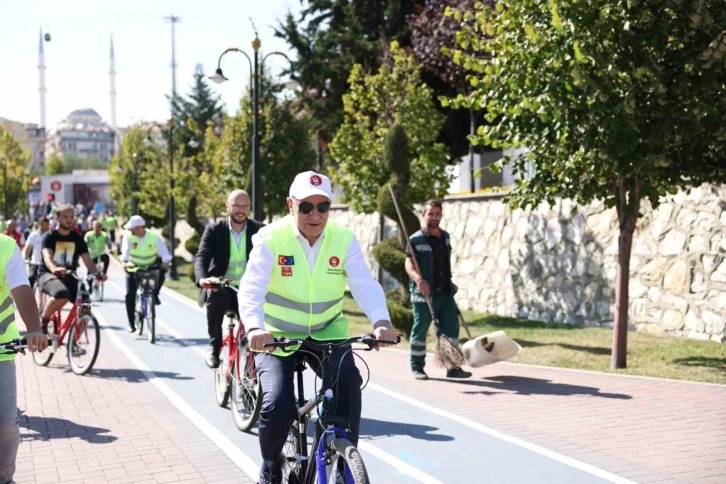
(504, 348)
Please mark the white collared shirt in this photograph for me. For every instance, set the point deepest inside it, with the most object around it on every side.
(237, 236)
(253, 288)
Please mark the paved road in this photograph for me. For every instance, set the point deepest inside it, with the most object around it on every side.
(402, 441)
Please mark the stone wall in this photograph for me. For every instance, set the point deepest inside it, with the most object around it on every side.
(558, 263)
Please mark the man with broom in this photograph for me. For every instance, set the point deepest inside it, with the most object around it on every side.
(432, 290)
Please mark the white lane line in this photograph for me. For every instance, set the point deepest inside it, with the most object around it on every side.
(240, 459)
(590, 469)
(398, 464)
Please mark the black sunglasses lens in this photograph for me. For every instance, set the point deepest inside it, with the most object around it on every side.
(323, 207)
(305, 207)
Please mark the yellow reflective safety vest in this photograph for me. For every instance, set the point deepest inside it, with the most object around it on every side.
(304, 301)
(143, 253)
(237, 259)
(8, 328)
(96, 243)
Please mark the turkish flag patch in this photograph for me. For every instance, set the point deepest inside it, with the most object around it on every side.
(285, 260)
(286, 271)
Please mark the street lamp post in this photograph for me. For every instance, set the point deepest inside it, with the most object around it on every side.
(172, 216)
(255, 85)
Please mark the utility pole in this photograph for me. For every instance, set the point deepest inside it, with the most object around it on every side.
(172, 216)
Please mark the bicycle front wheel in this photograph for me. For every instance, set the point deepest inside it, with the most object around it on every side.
(289, 458)
(346, 455)
(42, 358)
(84, 340)
(246, 390)
(151, 315)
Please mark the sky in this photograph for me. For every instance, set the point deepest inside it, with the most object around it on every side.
(77, 57)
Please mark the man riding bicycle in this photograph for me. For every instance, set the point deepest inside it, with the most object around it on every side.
(223, 253)
(61, 250)
(140, 248)
(294, 287)
(97, 241)
(33, 250)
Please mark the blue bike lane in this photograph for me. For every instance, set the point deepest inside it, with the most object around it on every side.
(401, 442)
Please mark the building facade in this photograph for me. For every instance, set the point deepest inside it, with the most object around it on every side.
(83, 133)
(31, 137)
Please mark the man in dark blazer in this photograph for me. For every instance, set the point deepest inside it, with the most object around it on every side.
(218, 259)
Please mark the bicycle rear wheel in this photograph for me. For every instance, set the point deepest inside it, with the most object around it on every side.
(151, 317)
(246, 390)
(346, 454)
(84, 340)
(44, 357)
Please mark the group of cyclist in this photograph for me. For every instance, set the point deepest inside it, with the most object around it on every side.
(291, 276)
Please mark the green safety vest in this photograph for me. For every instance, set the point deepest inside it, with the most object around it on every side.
(96, 243)
(8, 328)
(237, 259)
(109, 223)
(143, 254)
(303, 301)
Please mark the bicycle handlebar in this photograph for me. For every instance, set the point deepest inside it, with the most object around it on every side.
(366, 339)
(225, 283)
(18, 344)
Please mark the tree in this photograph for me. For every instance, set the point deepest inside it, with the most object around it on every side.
(15, 161)
(433, 37)
(375, 102)
(390, 253)
(620, 101)
(138, 178)
(329, 38)
(193, 113)
(285, 149)
(55, 165)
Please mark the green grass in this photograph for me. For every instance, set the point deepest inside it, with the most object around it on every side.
(563, 345)
(184, 285)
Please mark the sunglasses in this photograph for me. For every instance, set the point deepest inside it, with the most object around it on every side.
(307, 207)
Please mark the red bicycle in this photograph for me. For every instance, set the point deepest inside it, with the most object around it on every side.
(236, 375)
(82, 329)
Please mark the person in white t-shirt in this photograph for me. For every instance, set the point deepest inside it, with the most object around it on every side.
(34, 251)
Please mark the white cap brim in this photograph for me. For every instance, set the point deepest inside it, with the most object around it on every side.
(305, 192)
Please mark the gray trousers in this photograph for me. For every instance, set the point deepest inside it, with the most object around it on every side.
(9, 427)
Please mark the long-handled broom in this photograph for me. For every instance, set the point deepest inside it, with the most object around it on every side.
(447, 354)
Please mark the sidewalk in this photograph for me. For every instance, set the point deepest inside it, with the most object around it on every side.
(112, 426)
(643, 429)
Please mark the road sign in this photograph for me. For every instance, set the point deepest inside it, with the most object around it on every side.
(56, 186)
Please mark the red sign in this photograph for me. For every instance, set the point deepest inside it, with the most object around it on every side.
(286, 271)
(334, 261)
(316, 181)
(55, 185)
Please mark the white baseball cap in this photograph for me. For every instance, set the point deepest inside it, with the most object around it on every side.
(135, 221)
(309, 183)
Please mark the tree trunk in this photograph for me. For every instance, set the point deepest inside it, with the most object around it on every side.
(472, 132)
(628, 205)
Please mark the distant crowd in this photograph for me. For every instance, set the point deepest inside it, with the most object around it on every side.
(20, 227)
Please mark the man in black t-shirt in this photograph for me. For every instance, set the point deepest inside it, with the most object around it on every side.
(61, 249)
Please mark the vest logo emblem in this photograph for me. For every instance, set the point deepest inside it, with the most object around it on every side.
(134, 245)
(334, 261)
(285, 260)
(316, 181)
(286, 271)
